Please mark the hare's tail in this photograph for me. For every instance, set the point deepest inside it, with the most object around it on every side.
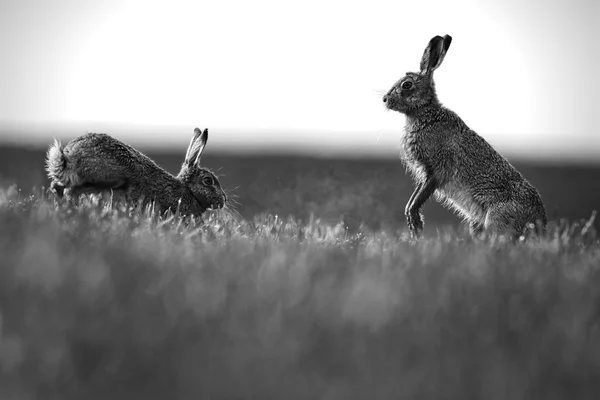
(56, 163)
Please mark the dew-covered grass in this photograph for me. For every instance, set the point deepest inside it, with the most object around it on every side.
(100, 302)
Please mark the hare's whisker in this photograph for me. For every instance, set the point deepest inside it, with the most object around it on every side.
(233, 209)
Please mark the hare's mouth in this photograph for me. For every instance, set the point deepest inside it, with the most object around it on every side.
(390, 103)
(217, 205)
(209, 203)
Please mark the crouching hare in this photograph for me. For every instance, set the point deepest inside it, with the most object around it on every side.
(449, 160)
(97, 162)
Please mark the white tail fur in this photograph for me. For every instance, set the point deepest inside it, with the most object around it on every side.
(55, 161)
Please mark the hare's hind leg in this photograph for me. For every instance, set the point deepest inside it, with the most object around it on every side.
(500, 220)
(137, 197)
(476, 228)
(57, 188)
(74, 192)
(61, 191)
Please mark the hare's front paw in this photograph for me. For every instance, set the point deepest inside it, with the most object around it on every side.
(57, 188)
(415, 222)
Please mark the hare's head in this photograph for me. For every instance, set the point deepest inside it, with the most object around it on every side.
(417, 89)
(203, 184)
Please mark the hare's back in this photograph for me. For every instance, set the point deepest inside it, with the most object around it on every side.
(104, 154)
(477, 158)
(487, 176)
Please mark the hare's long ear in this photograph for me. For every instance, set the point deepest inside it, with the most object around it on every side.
(434, 53)
(197, 144)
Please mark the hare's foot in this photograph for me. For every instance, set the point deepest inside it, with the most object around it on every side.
(476, 229)
(71, 195)
(57, 188)
(500, 221)
(422, 192)
(415, 222)
(62, 192)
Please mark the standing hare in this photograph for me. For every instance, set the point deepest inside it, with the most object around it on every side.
(96, 162)
(448, 159)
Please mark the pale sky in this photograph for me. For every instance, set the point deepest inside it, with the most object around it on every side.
(523, 74)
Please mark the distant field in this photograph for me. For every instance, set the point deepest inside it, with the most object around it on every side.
(367, 191)
(97, 303)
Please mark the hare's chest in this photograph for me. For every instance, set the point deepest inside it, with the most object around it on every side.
(413, 154)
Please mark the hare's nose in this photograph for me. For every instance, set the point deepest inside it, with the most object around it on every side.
(385, 98)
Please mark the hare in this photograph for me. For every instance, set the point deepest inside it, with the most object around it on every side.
(449, 160)
(97, 162)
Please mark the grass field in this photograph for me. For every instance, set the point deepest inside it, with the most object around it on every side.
(101, 303)
(313, 291)
(367, 192)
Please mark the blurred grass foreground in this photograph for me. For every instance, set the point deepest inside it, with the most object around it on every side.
(105, 303)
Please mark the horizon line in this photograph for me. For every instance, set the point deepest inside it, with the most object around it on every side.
(272, 144)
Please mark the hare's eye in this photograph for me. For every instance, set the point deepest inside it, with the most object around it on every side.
(407, 85)
(208, 181)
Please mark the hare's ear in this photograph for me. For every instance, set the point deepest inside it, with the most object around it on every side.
(197, 144)
(434, 53)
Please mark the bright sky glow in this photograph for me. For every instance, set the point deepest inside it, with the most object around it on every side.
(522, 74)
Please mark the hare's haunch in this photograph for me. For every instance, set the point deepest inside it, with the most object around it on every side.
(452, 162)
(97, 162)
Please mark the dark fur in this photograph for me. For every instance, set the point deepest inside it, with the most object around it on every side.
(452, 162)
